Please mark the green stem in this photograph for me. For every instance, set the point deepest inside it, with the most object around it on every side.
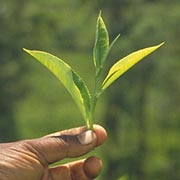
(95, 97)
(93, 105)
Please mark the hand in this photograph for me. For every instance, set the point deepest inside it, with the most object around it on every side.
(30, 159)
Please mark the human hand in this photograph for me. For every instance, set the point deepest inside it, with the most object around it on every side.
(30, 159)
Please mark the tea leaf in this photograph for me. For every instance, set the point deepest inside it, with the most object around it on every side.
(101, 46)
(125, 63)
(114, 41)
(69, 78)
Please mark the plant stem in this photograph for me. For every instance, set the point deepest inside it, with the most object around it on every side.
(97, 90)
(93, 105)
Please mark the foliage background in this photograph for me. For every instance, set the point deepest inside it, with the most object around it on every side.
(141, 111)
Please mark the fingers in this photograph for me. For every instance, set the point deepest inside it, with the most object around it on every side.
(70, 143)
(84, 169)
(92, 167)
(100, 133)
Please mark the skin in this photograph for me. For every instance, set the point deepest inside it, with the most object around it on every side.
(30, 159)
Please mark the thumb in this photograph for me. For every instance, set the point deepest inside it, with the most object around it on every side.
(69, 143)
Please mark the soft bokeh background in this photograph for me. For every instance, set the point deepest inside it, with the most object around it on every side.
(141, 111)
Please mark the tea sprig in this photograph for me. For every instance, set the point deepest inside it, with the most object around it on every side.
(74, 83)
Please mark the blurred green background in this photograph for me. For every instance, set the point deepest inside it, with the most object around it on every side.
(141, 111)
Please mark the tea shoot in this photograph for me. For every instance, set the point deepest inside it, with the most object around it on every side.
(75, 84)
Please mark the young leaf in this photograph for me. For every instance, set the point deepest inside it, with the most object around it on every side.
(113, 42)
(69, 78)
(101, 46)
(125, 63)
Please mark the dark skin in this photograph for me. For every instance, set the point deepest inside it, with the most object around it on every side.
(30, 159)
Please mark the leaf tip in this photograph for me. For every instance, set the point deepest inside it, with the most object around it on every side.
(161, 44)
(26, 50)
(158, 46)
(118, 35)
(100, 12)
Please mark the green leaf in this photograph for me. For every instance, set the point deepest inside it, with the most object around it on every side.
(101, 46)
(126, 63)
(114, 41)
(69, 78)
